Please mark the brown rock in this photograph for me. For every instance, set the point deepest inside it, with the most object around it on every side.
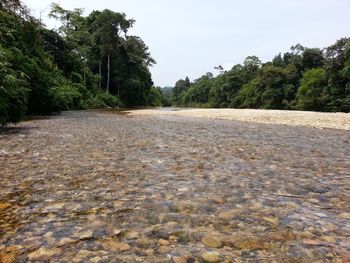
(82, 254)
(212, 242)
(124, 247)
(180, 259)
(345, 215)
(173, 239)
(115, 245)
(8, 257)
(211, 257)
(84, 234)
(314, 242)
(66, 241)
(228, 215)
(184, 207)
(96, 259)
(4, 206)
(272, 220)
(164, 249)
(329, 239)
(43, 253)
(216, 199)
(116, 232)
(163, 242)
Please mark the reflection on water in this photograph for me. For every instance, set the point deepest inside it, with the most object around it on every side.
(97, 187)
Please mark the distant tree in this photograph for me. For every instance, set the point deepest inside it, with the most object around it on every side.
(337, 66)
(278, 61)
(312, 58)
(311, 93)
(180, 87)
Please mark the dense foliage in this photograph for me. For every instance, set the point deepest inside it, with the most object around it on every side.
(88, 62)
(303, 79)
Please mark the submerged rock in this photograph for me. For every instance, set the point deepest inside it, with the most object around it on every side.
(210, 257)
(212, 242)
(44, 253)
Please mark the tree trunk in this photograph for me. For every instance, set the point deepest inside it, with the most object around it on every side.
(84, 74)
(118, 87)
(108, 70)
(100, 73)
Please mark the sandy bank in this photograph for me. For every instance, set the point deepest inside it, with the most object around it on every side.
(293, 118)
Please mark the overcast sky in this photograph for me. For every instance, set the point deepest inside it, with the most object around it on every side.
(191, 37)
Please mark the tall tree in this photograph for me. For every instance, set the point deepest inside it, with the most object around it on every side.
(107, 28)
(75, 31)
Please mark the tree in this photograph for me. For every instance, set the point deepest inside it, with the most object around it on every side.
(311, 93)
(251, 66)
(10, 5)
(290, 81)
(180, 87)
(312, 58)
(337, 67)
(45, 71)
(225, 88)
(13, 91)
(107, 27)
(75, 31)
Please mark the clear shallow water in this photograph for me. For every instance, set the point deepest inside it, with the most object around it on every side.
(100, 187)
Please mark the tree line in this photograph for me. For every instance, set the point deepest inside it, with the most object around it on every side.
(302, 79)
(88, 62)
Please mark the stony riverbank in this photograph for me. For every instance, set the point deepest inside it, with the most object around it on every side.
(291, 118)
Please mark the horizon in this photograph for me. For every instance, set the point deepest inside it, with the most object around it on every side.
(194, 45)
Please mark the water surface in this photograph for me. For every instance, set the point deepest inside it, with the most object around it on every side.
(98, 187)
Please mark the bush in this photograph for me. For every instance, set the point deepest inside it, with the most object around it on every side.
(13, 91)
(104, 100)
(155, 97)
(65, 97)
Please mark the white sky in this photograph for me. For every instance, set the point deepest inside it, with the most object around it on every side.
(190, 37)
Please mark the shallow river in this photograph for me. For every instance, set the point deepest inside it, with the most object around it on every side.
(105, 187)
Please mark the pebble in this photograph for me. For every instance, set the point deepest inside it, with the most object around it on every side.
(180, 259)
(212, 242)
(43, 253)
(163, 242)
(210, 257)
(164, 249)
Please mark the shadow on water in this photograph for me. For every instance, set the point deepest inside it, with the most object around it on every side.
(16, 128)
(122, 111)
(125, 111)
(119, 111)
(40, 117)
(10, 130)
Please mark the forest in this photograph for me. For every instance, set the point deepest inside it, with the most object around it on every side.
(310, 79)
(88, 62)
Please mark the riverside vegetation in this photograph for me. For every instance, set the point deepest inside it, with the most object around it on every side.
(88, 62)
(303, 79)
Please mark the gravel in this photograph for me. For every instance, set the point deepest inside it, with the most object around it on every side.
(340, 121)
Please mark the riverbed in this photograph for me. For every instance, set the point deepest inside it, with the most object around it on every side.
(99, 186)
